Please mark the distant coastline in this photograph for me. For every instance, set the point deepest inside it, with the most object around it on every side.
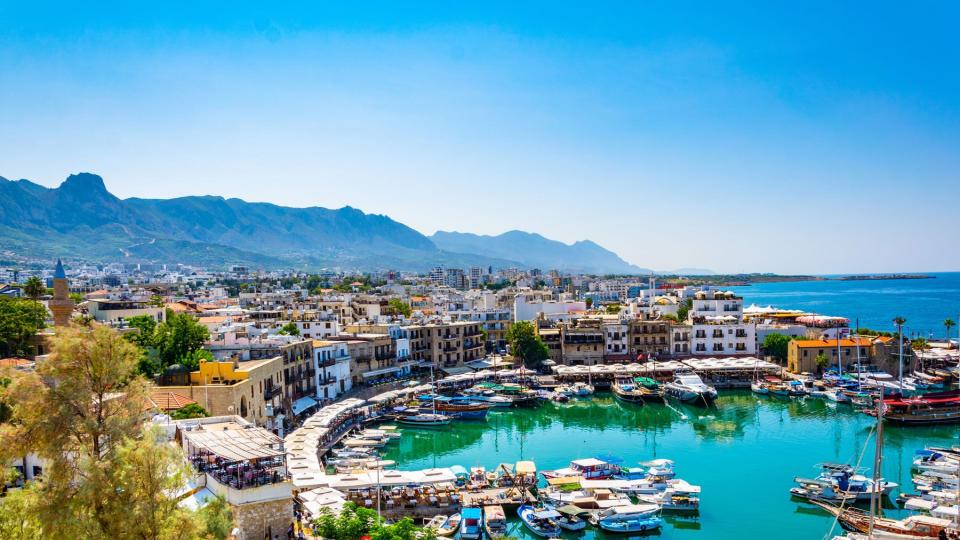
(879, 277)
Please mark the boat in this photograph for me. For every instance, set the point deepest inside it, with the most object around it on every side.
(630, 518)
(569, 519)
(471, 523)
(917, 526)
(931, 408)
(540, 522)
(471, 410)
(675, 499)
(588, 468)
(425, 420)
(758, 387)
(844, 480)
(566, 390)
(836, 395)
(449, 526)
(688, 387)
(627, 391)
(488, 396)
(494, 521)
(435, 522)
(582, 389)
(651, 389)
(820, 492)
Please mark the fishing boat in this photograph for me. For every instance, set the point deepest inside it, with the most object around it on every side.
(675, 499)
(651, 389)
(425, 420)
(540, 522)
(758, 387)
(932, 408)
(821, 492)
(466, 410)
(569, 519)
(688, 387)
(836, 395)
(449, 526)
(630, 518)
(582, 389)
(566, 390)
(494, 521)
(471, 523)
(627, 391)
(843, 479)
(588, 468)
(487, 395)
(435, 522)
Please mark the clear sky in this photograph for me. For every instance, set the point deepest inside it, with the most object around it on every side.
(822, 137)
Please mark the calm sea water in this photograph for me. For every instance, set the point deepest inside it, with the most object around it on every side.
(744, 453)
(925, 303)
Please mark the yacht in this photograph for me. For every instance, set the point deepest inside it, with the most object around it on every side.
(687, 386)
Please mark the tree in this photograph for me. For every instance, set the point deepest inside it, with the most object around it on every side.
(19, 321)
(684, 309)
(81, 411)
(17, 522)
(76, 297)
(192, 360)
(612, 309)
(217, 518)
(178, 337)
(589, 302)
(188, 411)
(354, 522)
(776, 345)
(401, 307)
(156, 301)
(34, 288)
(289, 329)
(526, 345)
(948, 324)
(669, 317)
(146, 326)
(822, 362)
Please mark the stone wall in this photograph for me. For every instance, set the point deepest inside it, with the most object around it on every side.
(264, 519)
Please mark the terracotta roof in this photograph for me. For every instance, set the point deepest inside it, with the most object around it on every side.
(169, 401)
(825, 343)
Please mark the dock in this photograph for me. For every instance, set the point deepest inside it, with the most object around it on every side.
(508, 497)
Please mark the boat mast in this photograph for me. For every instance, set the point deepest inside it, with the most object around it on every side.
(877, 462)
(839, 358)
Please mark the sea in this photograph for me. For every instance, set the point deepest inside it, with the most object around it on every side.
(744, 453)
(925, 303)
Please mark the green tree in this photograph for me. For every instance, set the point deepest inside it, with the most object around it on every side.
(669, 317)
(948, 324)
(191, 410)
(775, 345)
(400, 307)
(178, 337)
(146, 326)
(526, 345)
(822, 362)
(19, 321)
(612, 309)
(217, 519)
(81, 411)
(354, 522)
(289, 329)
(684, 309)
(156, 301)
(588, 302)
(192, 360)
(76, 297)
(17, 520)
(34, 288)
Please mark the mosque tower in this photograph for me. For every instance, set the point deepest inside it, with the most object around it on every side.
(61, 305)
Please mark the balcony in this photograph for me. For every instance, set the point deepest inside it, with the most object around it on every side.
(272, 392)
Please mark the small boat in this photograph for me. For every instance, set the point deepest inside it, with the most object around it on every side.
(687, 386)
(627, 391)
(435, 522)
(589, 468)
(494, 521)
(540, 522)
(582, 389)
(630, 518)
(758, 387)
(569, 519)
(676, 499)
(425, 420)
(471, 523)
(836, 395)
(472, 410)
(449, 526)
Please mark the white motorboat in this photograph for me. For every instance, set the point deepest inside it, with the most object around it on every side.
(630, 518)
(688, 387)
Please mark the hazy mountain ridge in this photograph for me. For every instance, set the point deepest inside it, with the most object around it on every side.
(534, 250)
(82, 218)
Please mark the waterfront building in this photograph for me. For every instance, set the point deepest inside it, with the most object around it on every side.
(252, 390)
(802, 353)
(649, 337)
(446, 344)
(332, 367)
(718, 326)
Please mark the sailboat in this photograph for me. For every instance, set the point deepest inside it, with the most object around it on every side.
(431, 419)
(856, 520)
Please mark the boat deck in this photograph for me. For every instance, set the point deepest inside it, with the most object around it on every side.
(509, 498)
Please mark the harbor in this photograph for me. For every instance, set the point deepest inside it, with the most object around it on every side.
(743, 452)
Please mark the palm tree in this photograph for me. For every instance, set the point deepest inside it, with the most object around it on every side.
(899, 321)
(948, 324)
(34, 288)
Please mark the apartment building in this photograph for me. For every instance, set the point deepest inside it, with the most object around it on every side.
(332, 366)
(116, 311)
(446, 344)
(649, 337)
(718, 326)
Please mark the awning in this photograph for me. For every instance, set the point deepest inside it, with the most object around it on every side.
(303, 404)
(383, 371)
(456, 370)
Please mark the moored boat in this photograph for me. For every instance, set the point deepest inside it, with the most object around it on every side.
(588, 468)
(494, 521)
(688, 387)
(932, 408)
(425, 420)
(449, 526)
(627, 391)
(540, 522)
(570, 519)
(630, 518)
(471, 523)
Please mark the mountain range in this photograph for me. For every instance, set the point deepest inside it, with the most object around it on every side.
(82, 219)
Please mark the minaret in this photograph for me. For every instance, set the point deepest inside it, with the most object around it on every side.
(61, 305)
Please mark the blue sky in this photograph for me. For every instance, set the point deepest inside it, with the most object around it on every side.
(750, 138)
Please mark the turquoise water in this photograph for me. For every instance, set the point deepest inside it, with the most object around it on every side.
(924, 302)
(744, 453)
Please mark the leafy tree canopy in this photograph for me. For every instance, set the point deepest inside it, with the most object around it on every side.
(526, 344)
(19, 321)
(776, 345)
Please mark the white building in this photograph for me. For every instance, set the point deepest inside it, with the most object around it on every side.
(718, 327)
(331, 361)
(527, 307)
